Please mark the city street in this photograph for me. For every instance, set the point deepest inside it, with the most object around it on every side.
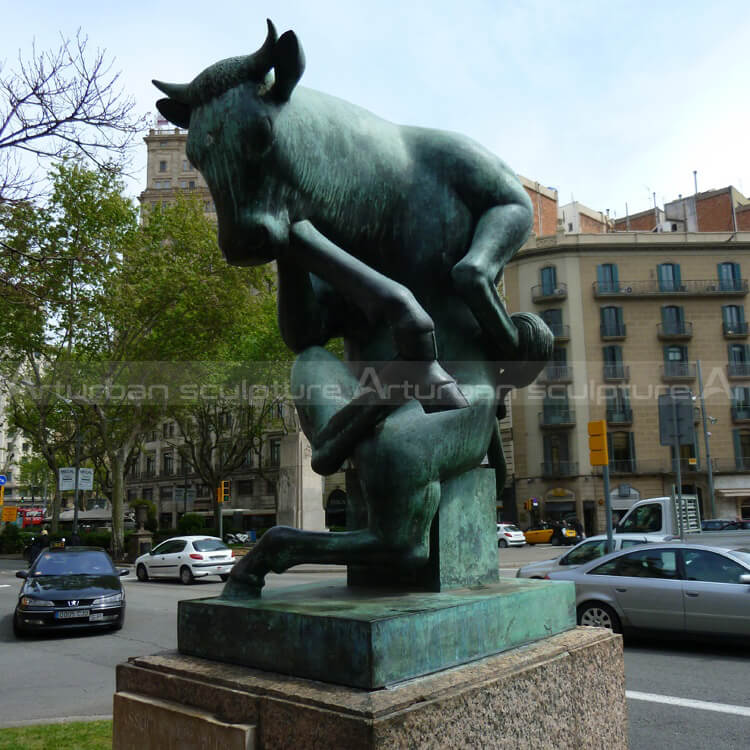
(73, 675)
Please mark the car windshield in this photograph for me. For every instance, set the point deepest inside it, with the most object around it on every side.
(79, 563)
(209, 545)
(742, 554)
(511, 527)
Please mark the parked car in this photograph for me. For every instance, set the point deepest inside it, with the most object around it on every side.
(586, 551)
(538, 534)
(509, 535)
(681, 588)
(723, 524)
(186, 558)
(76, 587)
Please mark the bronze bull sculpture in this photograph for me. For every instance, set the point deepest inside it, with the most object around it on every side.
(393, 237)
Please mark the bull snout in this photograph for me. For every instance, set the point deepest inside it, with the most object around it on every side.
(252, 241)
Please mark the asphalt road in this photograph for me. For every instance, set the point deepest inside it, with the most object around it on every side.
(73, 675)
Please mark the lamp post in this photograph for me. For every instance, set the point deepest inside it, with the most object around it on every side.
(706, 435)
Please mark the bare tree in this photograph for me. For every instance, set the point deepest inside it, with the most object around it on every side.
(59, 103)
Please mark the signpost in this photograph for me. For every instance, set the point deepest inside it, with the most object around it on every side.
(599, 456)
(3, 480)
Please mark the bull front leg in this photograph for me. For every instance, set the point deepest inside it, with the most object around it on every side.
(381, 299)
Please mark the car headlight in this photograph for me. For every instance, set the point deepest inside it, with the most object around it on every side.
(27, 601)
(107, 600)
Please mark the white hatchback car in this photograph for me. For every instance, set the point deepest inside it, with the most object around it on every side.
(186, 558)
(509, 535)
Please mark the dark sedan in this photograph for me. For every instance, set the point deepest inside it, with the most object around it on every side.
(76, 587)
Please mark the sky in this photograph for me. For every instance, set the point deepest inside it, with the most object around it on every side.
(608, 102)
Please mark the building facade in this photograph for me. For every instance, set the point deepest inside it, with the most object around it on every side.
(633, 313)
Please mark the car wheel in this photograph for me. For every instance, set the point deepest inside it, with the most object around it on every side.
(599, 615)
(502, 543)
(186, 575)
(141, 572)
(224, 576)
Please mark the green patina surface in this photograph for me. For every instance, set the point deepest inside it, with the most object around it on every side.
(372, 638)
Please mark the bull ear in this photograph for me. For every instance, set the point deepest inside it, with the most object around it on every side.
(288, 64)
(176, 112)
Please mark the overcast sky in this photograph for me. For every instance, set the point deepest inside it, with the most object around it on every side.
(608, 102)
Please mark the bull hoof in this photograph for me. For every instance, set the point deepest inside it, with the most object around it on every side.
(247, 587)
(427, 382)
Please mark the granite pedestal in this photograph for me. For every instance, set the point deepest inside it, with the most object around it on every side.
(565, 691)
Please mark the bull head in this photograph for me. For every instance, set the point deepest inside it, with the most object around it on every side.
(283, 54)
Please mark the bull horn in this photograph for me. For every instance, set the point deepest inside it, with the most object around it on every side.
(259, 63)
(177, 91)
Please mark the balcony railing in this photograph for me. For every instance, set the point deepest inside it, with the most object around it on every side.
(623, 466)
(674, 330)
(557, 418)
(616, 372)
(543, 292)
(740, 413)
(560, 331)
(678, 371)
(620, 416)
(736, 330)
(656, 288)
(738, 370)
(612, 332)
(552, 469)
(556, 374)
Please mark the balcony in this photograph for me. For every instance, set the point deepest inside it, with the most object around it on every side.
(623, 466)
(619, 415)
(544, 293)
(551, 418)
(556, 374)
(557, 469)
(673, 372)
(615, 372)
(736, 330)
(740, 413)
(559, 331)
(612, 332)
(731, 465)
(674, 331)
(738, 370)
(687, 288)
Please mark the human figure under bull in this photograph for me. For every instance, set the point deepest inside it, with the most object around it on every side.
(393, 237)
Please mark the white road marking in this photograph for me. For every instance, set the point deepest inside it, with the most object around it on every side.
(724, 708)
(4, 585)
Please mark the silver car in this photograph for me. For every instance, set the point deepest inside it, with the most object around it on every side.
(585, 551)
(685, 588)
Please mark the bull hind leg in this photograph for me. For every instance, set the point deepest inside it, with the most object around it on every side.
(283, 547)
(523, 340)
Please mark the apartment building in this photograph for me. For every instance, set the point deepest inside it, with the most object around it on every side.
(632, 314)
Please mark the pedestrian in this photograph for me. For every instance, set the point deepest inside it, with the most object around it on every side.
(578, 526)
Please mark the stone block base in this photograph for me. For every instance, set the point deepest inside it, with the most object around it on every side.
(566, 691)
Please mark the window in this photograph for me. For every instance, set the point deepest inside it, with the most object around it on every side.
(150, 463)
(741, 402)
(648, 563)
(673, 320)
(548, 277)
(556, 454)
(162, 184)
(674, 227)
(613, 367)
(611, 321)
(162, 166)
(621, 449)
(741, 449)
(676, 362)
(739, 360)
(733, 319)
(584, 553)
(709, 567)
(553, 318)
(186, 166)
(618, 405)
(668, 275)
(643, 520)
(183, 184)
(245, 487)
(606, 277)
(729, 277)
(168, 460)
(191, 184)
(165, 493)
(275, 451)
(570, 226)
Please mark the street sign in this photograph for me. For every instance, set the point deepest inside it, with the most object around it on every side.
(67, 479)
(9, 513)
(3, 479)
(85, 479)
(676, 417)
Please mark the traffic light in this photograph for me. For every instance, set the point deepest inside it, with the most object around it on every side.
(224, 491)
(598, 454)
